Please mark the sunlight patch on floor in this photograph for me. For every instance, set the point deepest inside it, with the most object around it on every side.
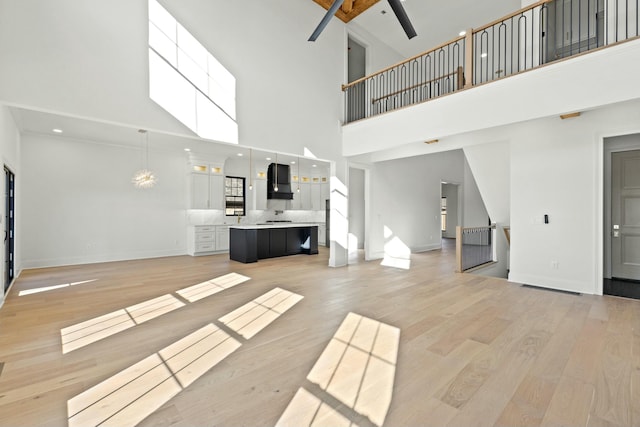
(210, 287)
(306, 409)
(130, 396)
(90, 331)
(256, 315)
(51, 288)
(85, 333)
(357, 368)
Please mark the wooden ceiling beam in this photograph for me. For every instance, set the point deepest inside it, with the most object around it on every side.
(350, 8)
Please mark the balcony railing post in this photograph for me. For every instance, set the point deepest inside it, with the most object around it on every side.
(468, 59)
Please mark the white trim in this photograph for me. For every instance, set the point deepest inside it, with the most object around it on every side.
(92, 259)
(551, 283)
(427, 248)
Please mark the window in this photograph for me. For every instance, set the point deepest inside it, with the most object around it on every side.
(234, 196)
(187, 81)
(443, 214)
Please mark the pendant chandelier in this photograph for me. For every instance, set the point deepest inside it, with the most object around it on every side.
(144, 178)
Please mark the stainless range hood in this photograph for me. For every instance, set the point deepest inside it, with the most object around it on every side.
(283, 183)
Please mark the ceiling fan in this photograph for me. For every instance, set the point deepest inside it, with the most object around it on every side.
(396, 6)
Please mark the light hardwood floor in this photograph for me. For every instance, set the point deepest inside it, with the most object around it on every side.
(471, 350)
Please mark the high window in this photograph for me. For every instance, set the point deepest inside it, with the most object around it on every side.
(186, 80)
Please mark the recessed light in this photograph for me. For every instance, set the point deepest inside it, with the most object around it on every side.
(187, 149)
(268, 158)
(240, 154)
(293, 162)
(484, 55)
(56, 130)
(315, 166)
(462, 33)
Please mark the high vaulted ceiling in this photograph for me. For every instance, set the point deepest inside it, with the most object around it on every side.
(435, 21)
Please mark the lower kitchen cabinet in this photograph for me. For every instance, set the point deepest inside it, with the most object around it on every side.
(249, 244)
(207, 239)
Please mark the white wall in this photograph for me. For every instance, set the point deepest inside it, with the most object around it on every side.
(474, 212)
(79, 205)
(89, 59)
(357, 205)
(10, 155)
(556, 169)
(490, 165)
(406, 200)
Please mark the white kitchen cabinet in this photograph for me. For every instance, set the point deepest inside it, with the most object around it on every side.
(324, 194)
(207, 239)
(199, 191)
(216, 191)
(260, 194)
(222, 238)
(295, 202)
(315, 197)
(207, 185)
(305, 196)
(201, 240)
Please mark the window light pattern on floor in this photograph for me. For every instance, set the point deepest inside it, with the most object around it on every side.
(256, 315)
(357, 368)
(85, 333)
(51, 288)
(210, 287)
(133, 394)
(90, 331)
(130, 396)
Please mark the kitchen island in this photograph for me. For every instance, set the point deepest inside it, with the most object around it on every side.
(249, 243)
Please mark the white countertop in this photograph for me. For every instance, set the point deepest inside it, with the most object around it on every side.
(274, 225)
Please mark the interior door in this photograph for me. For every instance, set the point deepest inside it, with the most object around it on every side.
(9, 228)
(625, 215)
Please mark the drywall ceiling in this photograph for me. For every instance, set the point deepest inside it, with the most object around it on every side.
(43, 123)
(435, 21)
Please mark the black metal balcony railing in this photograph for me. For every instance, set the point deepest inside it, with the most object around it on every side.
(418, 79)
(544, 32)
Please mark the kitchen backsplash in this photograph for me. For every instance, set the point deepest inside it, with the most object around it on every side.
(210, 216)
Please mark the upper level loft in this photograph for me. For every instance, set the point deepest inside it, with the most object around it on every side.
(536, 37)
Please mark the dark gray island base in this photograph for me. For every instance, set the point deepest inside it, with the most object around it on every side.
(249, 243)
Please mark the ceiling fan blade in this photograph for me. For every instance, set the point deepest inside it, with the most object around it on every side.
(325, 20)
(401, 14)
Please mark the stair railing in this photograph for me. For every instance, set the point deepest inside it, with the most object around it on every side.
(474, 247)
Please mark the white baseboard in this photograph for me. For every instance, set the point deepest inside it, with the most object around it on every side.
(553, 283)
(426, 248)
(93, 259)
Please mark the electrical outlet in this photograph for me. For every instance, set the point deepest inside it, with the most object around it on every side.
(554, 265)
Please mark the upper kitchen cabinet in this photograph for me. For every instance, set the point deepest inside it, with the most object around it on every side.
(206, 182)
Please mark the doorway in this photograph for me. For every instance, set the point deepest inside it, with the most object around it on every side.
(356, 69)
(448, 210)
(9, 227)
(622, 217)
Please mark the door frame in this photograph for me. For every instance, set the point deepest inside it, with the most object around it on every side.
(615, 142)
(7, 286)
